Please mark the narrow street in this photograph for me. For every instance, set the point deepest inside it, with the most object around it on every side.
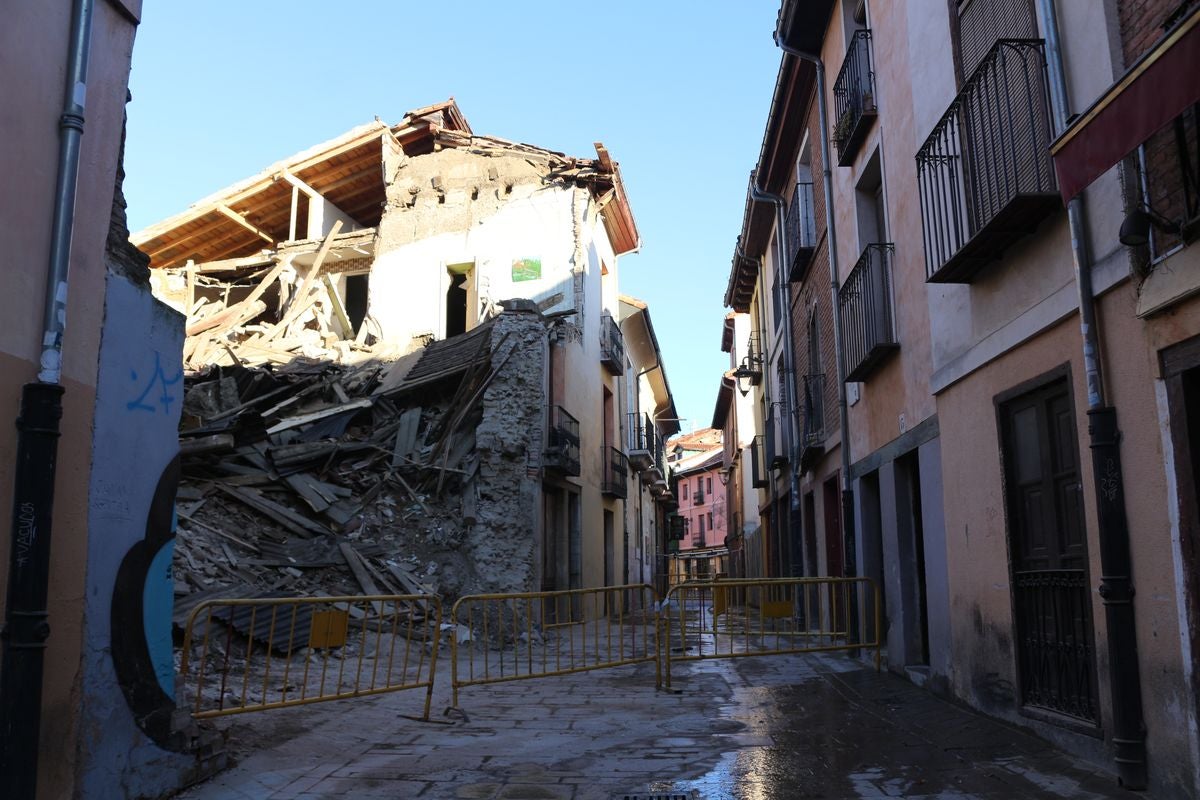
(768, 728)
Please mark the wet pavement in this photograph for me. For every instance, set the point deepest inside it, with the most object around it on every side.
(765, 728)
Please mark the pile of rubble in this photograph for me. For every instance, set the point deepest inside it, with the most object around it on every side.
(257, 310)
(321, 478)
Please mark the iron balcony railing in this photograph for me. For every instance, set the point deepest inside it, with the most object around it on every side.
(562, 443)
(698, 497)
(612, 345)
(645, 445)
(801, 228)
(985, 173)
(814, 410)
(616, 473)
(1055, 649)
(865, 300)
(854, 98)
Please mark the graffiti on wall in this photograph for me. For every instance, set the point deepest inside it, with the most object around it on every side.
(155, 388)
(142, 603)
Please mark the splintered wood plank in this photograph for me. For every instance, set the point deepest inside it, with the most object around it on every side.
(217, 442)
(406, 436)
(301, 484)
(303, 419)
(361, 574)
(339, 310)
(296, 523)
(298, 300)
(229, 318)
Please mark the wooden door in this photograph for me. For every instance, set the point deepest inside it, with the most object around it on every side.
(1048, 549)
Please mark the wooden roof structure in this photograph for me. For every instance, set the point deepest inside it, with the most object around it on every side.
(256, 214)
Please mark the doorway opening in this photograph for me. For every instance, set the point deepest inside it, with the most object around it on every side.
(460, 299)
(357, 287)
(909, 520)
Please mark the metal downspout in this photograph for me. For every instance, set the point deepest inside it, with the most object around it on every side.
(789, 385)
(849, 540)
(1116, 585)
(26, 627)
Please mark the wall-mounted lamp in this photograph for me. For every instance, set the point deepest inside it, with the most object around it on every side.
(724, 473)
(1135, 228)
(746, 378)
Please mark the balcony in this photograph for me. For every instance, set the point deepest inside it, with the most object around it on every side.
(562, 443)
(801, 229)
(777, 436)
(865, 300)
(854, 99)
(645, 447)
(612, 346)
(698, 498)
(812, 443)
(985, 173)
(759, 477)
(615, 482)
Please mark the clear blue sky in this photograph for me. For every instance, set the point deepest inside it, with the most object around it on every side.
(678, 91)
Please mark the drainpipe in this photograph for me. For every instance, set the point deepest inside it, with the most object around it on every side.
(1116, 585)
(26, 627)
(849, 544)
(785, 290)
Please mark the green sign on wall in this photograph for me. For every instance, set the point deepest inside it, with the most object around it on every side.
(526, 269)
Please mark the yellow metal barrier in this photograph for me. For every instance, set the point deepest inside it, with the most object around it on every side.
(510, 637)
(256, 654)
(748, 617)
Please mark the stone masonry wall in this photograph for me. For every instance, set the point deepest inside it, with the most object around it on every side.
(501, 504)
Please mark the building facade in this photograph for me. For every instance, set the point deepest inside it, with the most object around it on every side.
(700, 479)
(1006, 254)
(96, 701)
(437, 229)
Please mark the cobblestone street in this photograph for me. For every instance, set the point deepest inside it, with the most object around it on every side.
(767, 728)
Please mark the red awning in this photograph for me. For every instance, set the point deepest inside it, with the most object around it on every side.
(1159, 87)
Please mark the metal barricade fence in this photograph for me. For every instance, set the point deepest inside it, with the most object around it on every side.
(257, 654)
(748, 617)
(509, 637)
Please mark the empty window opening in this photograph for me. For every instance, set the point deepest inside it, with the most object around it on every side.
(461, 299)
(456, 306)
(872, 217)
(356, 299)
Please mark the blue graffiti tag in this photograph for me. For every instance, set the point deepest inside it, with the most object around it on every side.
(158, 379)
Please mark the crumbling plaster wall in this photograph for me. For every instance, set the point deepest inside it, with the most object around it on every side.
(454, 207)
(502, 503)
(129, 741)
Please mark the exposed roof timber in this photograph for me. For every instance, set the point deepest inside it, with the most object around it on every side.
(265, 179)
(245, 223)
(618, 216)
(234, 264)
(348, 172)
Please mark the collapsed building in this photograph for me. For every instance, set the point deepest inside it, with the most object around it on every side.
(409, 368)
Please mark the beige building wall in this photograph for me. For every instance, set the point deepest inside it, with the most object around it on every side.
(1016, 322)
(33, 54)
(896, 397)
